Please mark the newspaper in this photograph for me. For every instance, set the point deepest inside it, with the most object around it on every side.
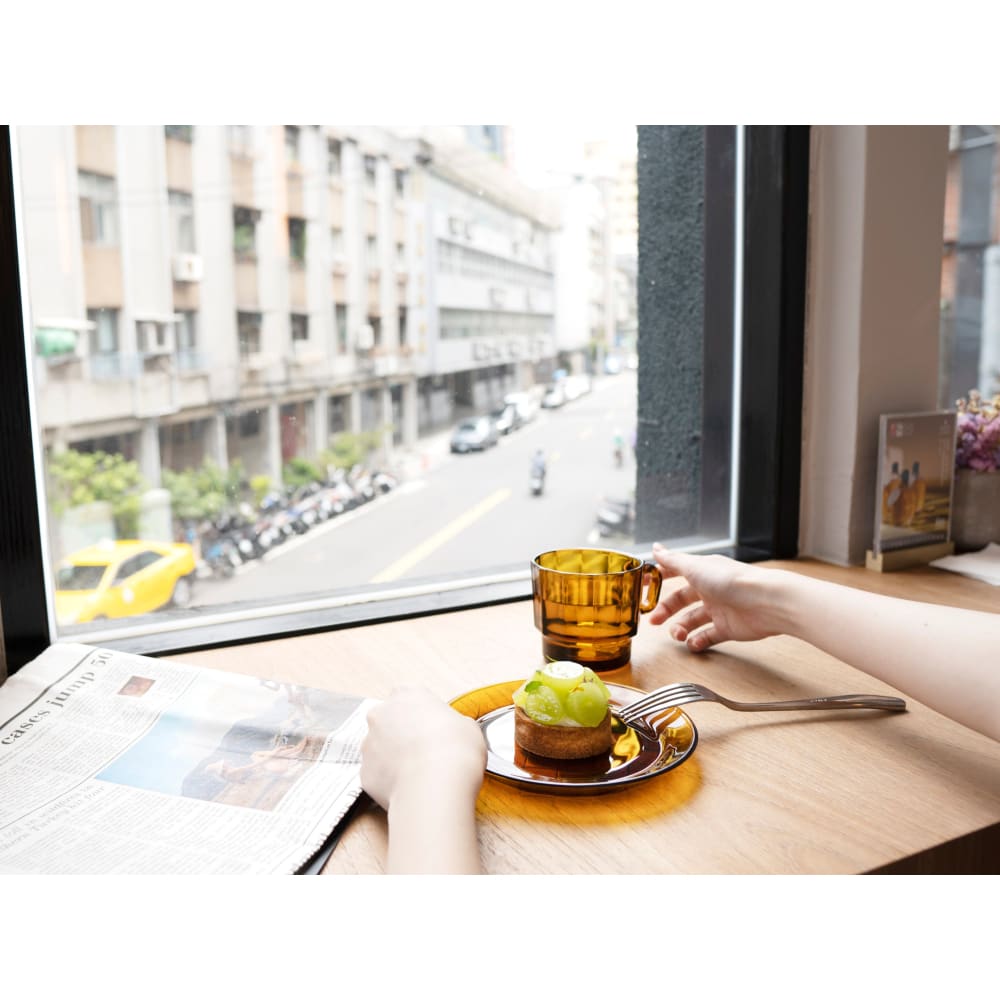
(113, 763)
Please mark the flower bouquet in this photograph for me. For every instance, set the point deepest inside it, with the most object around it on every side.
(976, 500)
(978, 441)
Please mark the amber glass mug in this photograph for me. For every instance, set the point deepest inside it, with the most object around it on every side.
(587, 604)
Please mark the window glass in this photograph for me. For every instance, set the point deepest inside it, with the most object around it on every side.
(297, 239)
(98, 209)
(970, 266)
(181, 221)
(244, 232)
(371, 427)
(333, 157)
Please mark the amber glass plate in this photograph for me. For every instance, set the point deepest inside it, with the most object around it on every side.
(637, 754)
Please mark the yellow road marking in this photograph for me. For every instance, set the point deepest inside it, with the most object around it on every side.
(446, 534)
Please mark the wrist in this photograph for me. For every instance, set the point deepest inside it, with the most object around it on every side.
(783, 599)
(437, 774)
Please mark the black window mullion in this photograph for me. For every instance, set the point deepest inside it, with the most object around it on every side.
(774, 274)
(22, 583)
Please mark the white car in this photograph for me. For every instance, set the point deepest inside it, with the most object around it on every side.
(525, 403)
(575, 386)
(555, 395)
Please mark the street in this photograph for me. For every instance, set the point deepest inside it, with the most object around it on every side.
(460, 514)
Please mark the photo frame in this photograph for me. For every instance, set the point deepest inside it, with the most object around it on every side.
(914, 485)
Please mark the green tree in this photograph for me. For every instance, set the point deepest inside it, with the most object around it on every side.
(300, 471)
(205, 492)
(82, 477)
(351, 448)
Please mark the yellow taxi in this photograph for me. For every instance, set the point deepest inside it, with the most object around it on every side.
(117, 579)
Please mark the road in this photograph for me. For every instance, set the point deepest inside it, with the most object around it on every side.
(462, 512)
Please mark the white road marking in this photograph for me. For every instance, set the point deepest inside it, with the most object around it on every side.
(425, 548)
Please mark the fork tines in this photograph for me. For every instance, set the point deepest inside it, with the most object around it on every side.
(660, 700)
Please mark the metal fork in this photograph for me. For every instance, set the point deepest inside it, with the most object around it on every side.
(674, 695)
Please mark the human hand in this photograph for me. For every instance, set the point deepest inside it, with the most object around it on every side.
(721, 599)
(413, 735)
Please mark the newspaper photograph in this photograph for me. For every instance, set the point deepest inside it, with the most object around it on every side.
(113, 763)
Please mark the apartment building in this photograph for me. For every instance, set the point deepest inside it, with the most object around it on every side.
(248, 291)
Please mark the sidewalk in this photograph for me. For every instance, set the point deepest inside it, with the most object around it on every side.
(428, 452)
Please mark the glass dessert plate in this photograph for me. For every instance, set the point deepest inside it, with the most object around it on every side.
(637, 753)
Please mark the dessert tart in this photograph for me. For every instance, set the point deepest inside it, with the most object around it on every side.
(562, 711)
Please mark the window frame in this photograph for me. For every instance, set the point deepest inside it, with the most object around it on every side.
(776, 190)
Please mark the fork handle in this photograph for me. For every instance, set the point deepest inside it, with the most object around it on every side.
(885, 703)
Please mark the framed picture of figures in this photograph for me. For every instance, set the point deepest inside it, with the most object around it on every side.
(916, 468)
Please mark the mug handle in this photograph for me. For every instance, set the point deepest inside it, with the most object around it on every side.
(652, 580)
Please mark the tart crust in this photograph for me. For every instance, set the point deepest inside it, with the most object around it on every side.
(561, 742)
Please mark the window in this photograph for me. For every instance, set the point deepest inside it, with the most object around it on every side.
(188, 356)
(475, 351)
(337, 245)
(245, 232)
(970, 266)
(292, 138)
(297, 240)
(400, 181)
(106, 361)
(98, 209)
(334, 165)
(181, 221)
(248, 332)
(240, 140)
(187, 330)
(185, 133)
(133, 565)
(300, 327)
(104, 336)
(371, 246)
(340, 324)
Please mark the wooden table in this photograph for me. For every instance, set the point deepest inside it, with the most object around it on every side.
(801, 792)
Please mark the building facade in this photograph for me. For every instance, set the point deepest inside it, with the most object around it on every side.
(247, 292)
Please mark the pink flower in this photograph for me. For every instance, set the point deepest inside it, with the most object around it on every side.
(977, 444)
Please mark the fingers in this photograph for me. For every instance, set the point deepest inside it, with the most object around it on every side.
(705, 637)
(672, 563)
(688, 621)
(670, 604)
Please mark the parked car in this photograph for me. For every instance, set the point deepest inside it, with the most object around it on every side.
(555, 395)
(118, 579)
(525, 403)
(475, 434)
(575, 386)
(506, 419)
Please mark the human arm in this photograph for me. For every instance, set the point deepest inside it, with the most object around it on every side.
(944, 657)
(424, 763)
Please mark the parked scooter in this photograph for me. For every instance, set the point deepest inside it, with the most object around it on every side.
(536, 479)
(615, 516)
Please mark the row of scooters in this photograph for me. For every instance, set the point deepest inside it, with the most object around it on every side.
(244, 534)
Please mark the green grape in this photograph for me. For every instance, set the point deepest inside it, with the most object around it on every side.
(587, 703)
(589, 675)
(562, 676)
(542, 704)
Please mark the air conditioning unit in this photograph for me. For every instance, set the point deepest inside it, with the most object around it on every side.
(155, 338)
(259, 361)
(188, 267)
